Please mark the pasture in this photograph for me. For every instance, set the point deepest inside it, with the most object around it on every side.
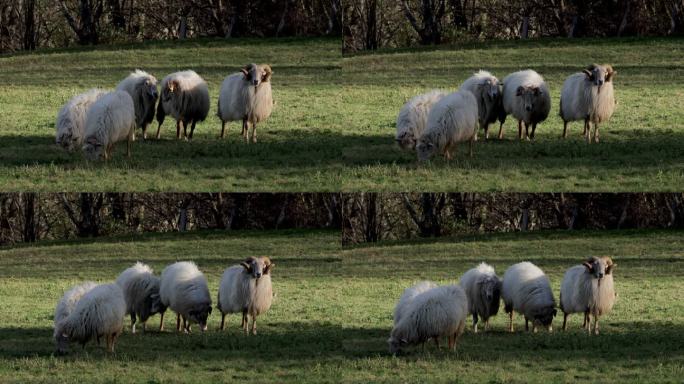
(641, 150)
(332, 312)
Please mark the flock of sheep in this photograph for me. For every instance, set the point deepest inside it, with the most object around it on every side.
(435, 122)
(97, 119)
(89, 311)
(427, 311)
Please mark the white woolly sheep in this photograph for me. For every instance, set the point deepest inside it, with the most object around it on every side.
(588, 96)
(184, 96)
(98, 313)
(452, 120)
(487, 91)
(141, 291)
(143, 90)
(588, 289)
(246, 96)
(526, 290)
(109, 120)
(246, 289)
(526, 97)
(408, 296)
(184, 289)
(71, 119)
(435, 313)
(412, 118)
(483, 288)
(68, 302)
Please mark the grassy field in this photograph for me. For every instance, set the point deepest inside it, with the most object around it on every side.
(332, 313)
(298, 143)
(642, 146)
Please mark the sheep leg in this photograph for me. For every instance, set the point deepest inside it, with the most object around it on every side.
(585, 324)
(109, 342)
(114, 337)
(534, 128)
(159, 131)
(534, 328)
(470, 146)
(519, 129)
(178, 322)
(144, 129)
(245, 321)
(144, 324)
(254, 138)
(128, 146)
(510, 322)
(486, 129)
(588, 131)
(596, 324)
(527, 326)
(254, 325)
(132, 322)
(565, 129)
(452, 342)
(178, 124)
(565, 320)
(501, 131)
(223, 321)
(596, 133)
(245, 130)
(192, 129)
(223, 128)
(161, 322)
(185, 130)
(475, 322)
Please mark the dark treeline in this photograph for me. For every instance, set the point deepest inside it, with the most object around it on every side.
(370, 217)
(372, 24)
(29, 217)
(31, 24)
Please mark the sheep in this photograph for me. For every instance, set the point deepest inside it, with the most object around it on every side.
(435, 313)
(526, 290)
(141, 291)
(483, 289)
(68, 302)
(588, 288)
(143, 90)
(588, 96)
(98, 313)
(184, 289)
(246, 96)
(453, 119)
(71, 119)
(109, 119)
(185, 96)
(413, 116)
(487, 91)
(246, 289)
(408, 296)
(526, 97)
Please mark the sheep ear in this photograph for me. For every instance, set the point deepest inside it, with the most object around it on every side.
(519, 91)
(588, 265)
(537, 91)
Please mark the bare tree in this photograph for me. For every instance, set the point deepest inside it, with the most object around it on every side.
(86, 24)
(431, 13)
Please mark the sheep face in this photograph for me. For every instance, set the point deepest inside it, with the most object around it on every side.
(62, 344)
(544, 316)
(406, 141)
(93, 149)
(150, 89)
(67, 141)
(596, 267)
(200, 314)
(257, 267)
(491, 89)
(530, 97)
(425, 149)
(490, 289)
(395, 344)
(257, 74)
(155, 304)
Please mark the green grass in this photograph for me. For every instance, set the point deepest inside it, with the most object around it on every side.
(332, 313)
(642, 146)
(297, 143)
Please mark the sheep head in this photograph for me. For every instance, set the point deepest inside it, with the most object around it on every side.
(425, 149)
(529, 95)
(93, 149)
(257, 267)
(599, 75)
(173, 86)
(199, 314)
(257, 74)
(406, 141)
(490, 88)
(490, 288)
(544, 316)
(155, 304)
(596, 267)
(147, 86)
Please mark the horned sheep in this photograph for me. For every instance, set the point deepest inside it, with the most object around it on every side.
(109, 120)
(184, 290)
(246, 289)
(526, 290)
(588, 288)
(184, 96)
(451, 120)
(526, 97)
(98, 313)
(143, 90)
(141, 291)
(412, 118)
(246, 96)
(487, 91)
(71, 119)
(483, 288)
(588, 96)
(435, 313)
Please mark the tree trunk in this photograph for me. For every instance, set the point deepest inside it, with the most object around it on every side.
(29, 233)
(525, 27)
(29, 42)
(372, 25)
(623, 23)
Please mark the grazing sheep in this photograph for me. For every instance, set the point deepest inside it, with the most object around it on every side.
(143, 90)
(412, 118)
(588, 289)
(483, 289)
(246, 96)
(407, 297)
(109, 119)
(71, 119)
(184, 96)
(68, 302)
(452, 120)
(184, 289)
(98, 313)
(487, 91)
(588, 96)
(435, 313)
(526, 290)
(141, 291)
(246, 289)
(526, 97)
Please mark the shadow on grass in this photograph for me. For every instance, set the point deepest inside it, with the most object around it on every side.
(317, 341)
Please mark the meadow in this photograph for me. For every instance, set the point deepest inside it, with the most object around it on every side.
(641, 148)
(332, 312)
